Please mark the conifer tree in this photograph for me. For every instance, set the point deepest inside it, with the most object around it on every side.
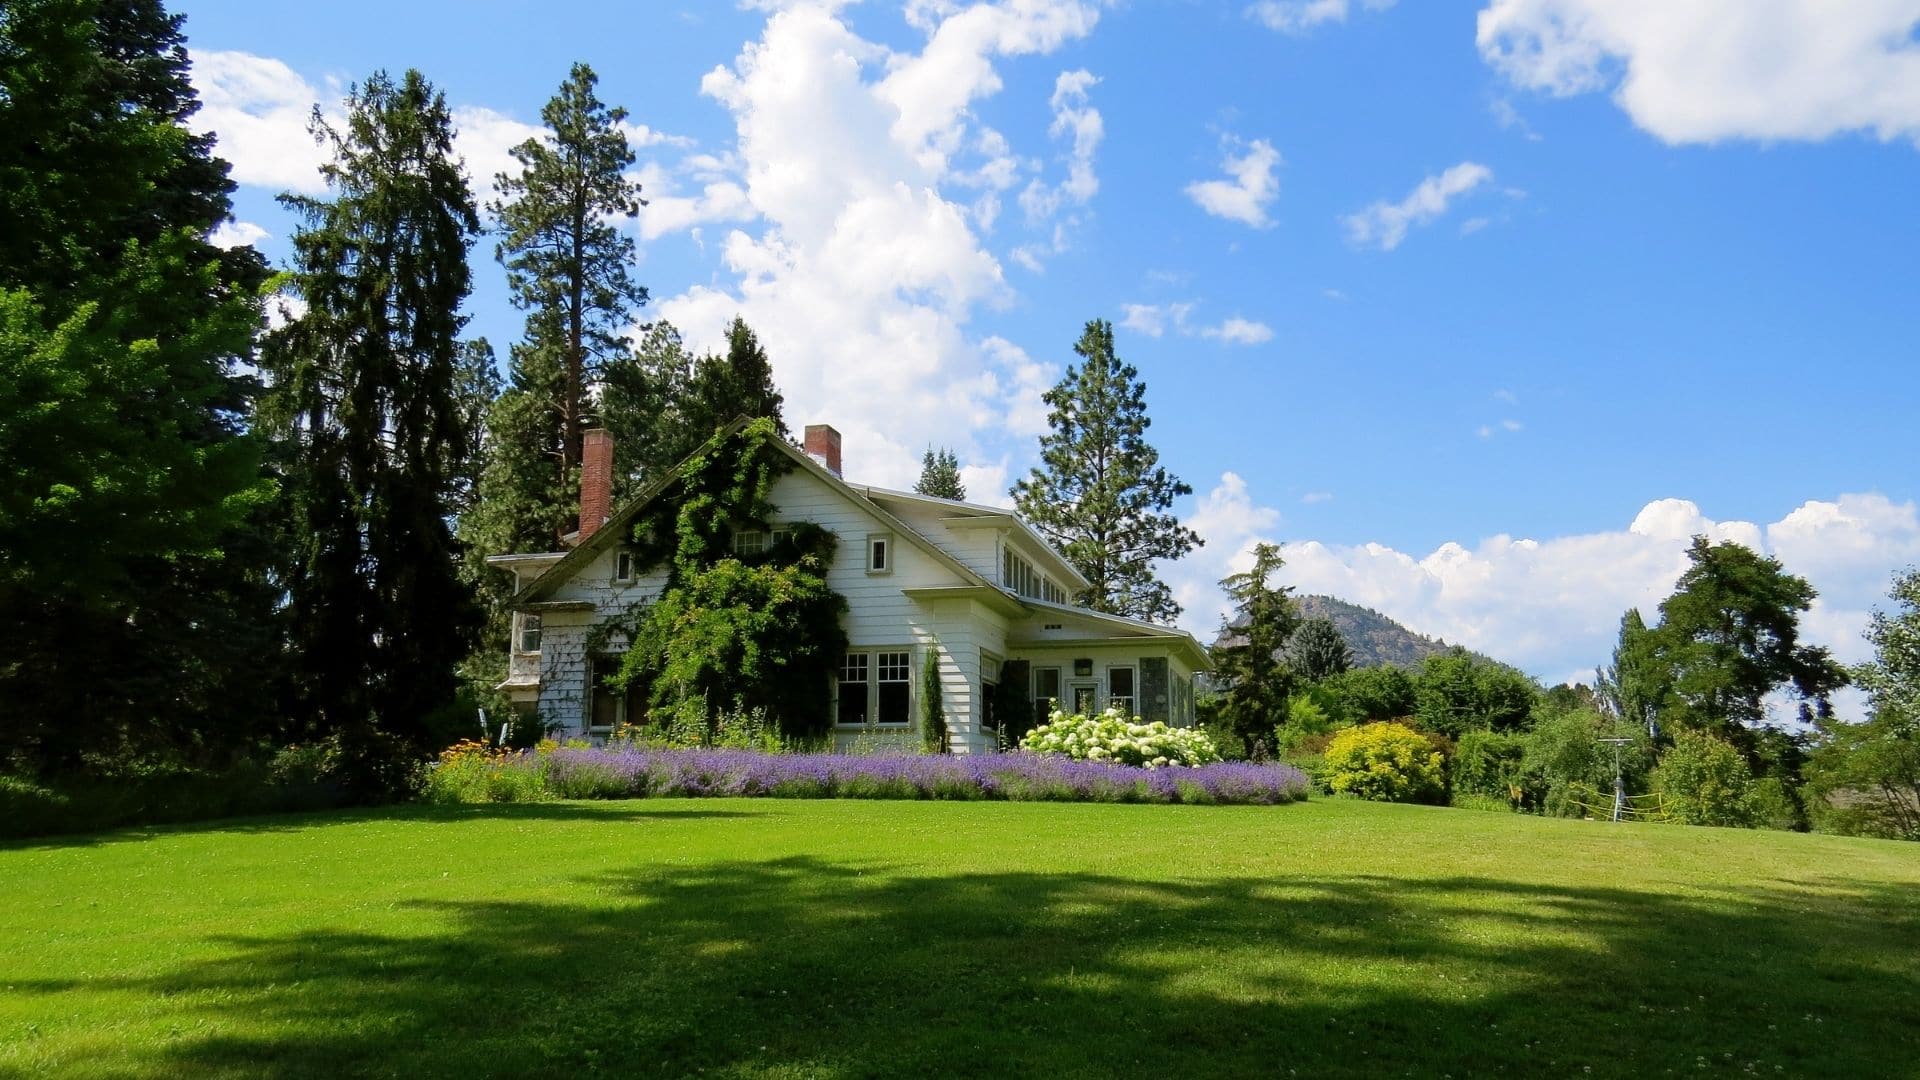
(367, 400)
(1100, 493)
(736, 384)
(646, 404)
(940, 476)
(1318, 650)
(132, 594)
(1253, 664)
(568, 265)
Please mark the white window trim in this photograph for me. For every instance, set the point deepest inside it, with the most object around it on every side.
(1132, 699)
(520, 629)
(873, 654)
(888, 559)
(625, 554)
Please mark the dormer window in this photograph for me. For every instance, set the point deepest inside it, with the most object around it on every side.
(880, 553)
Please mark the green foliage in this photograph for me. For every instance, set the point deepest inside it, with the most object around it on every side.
(1565, 764)
(568, 263)
(1369, 695)
(1729, 636)
(1317, 650)
(367, 405)
(737, 384)
(1119, 739)
(133, 591)
(1099, 493)
(730, 633)
(1488, 764)
(1458, 692)
(1309, 715)
(933, 712)
(940, 475)
(1386, 763)
(646, 404)
(1635, 684)
(1866, 776)
(1705, 780)
(1251, 664)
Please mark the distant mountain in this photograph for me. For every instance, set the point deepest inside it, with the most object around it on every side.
(1374, 638)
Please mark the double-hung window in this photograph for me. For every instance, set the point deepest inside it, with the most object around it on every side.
(874, 687)
(1046, 692)
(527, 638)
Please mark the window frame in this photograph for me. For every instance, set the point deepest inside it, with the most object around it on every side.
(624, 569)
(1132, 698)
(883, 543)
(874, 660)
(524, 623)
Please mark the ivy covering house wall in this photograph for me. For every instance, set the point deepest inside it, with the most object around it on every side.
(733, 632)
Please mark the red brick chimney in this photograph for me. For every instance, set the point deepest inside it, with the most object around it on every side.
(596, 480)
(823, 445)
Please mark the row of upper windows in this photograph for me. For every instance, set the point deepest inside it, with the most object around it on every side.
(1018, 574)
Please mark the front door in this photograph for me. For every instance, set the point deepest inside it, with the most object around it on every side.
(1083, 699)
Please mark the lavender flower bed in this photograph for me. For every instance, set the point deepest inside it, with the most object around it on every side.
(638, 773)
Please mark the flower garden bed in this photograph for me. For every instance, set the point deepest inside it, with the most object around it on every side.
(473, 774)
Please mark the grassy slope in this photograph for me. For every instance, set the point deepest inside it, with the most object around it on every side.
(852, 938)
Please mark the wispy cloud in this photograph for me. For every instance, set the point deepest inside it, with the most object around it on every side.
(1384, 224)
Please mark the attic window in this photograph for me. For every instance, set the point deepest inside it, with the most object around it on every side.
(880, 553)
(623, 565)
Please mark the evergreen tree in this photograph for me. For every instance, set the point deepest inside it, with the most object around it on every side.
(737, 384)
(1728, 637)
(646, 403)
(1100, 494)
(940, 476)
(367, 398)
(1318, 651)
(1252, 664)
(132, 598)
(568, 265)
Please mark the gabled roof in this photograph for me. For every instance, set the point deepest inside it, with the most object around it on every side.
(621, 521)
(999, 516)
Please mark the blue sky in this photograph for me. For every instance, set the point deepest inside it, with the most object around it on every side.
(1480, 307)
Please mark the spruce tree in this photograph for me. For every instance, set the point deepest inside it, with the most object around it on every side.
(1318, 650)
(367, 400)
(1099, 493)
(132, 593)
(940, 475)
(1253, 664)
(568, 264)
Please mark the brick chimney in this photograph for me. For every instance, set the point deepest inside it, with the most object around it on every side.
(596, 480)
(823, 445)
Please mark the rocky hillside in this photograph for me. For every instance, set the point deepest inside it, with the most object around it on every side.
(1374, 638)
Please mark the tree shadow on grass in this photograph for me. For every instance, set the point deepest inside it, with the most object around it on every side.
(806, 966)
(304, 820)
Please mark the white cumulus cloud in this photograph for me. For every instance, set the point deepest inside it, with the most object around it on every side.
(1704, 70)
(1154, 320)
(1553, 606)
(1250, 188)
(1384, 224)
(857, 263)
(233, 234)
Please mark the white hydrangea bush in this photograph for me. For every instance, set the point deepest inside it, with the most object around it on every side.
(1114, 737)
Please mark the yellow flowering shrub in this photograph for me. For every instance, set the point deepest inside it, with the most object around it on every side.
(1386, 762)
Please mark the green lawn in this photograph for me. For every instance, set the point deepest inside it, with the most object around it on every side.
(788, 938)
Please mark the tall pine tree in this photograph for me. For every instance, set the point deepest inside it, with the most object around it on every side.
(133, 595)
(568, 264)
(1253, 664)
(1099, 492)
(368, 400)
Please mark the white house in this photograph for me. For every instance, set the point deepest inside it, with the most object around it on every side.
(915, 571)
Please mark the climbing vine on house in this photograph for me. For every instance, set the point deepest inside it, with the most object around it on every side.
(733, 632)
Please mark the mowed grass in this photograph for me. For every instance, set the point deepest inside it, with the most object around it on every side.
(790, 938)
